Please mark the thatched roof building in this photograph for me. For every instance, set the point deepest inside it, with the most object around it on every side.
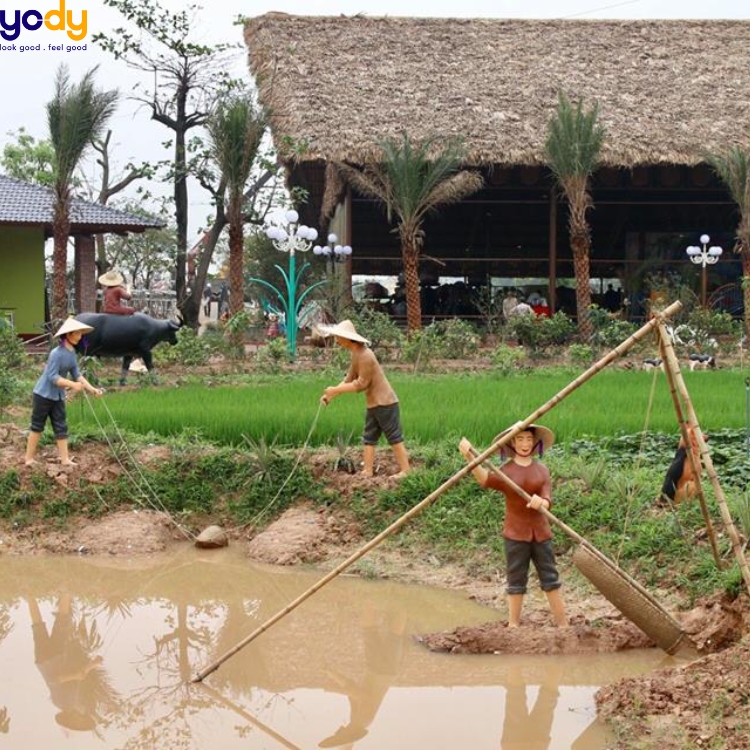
(669, 91)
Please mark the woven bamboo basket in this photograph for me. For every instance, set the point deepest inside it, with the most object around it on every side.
(630, 598)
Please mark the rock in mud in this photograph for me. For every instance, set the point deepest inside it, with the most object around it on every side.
(211, 538)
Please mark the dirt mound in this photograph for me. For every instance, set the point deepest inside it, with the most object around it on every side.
(301, 535)
(133, 532)
(537, 636)
(712, 625)
(702, 705)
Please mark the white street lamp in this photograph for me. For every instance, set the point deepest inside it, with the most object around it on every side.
(333, 251)
(704, 256)
(290, 237)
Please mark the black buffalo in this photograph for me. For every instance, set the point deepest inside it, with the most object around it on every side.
(126, 336)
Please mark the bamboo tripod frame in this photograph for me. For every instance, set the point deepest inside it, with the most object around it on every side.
(642, 333)
(689, 421)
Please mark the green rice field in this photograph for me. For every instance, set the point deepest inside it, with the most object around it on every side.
(284, 408)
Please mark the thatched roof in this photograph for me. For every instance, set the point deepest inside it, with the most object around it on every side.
(668, 90)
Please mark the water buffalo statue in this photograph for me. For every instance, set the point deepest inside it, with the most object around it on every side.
(126, 336)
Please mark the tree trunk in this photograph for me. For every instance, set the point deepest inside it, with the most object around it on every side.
(60, 234)
(579, 201)
(236, 261)
(583, 288)
(181, 214)
(745, 255)
(410, 257)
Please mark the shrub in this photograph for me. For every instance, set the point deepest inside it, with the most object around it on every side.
(190, 349)
(12, 353)
(11, 356)
(383, 333)
(538, 332)
(609, 332)
(581, 354)
(507, 360)
(422, 346)
(458, 339)
(270, 359)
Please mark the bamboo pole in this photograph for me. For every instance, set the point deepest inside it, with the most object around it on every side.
(670, 363)
(251, 719)
(705, 456)
(618, 351)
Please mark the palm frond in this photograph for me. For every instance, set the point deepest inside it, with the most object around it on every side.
(574, 139)
(731, 167)
(235, 131)
(76, 115)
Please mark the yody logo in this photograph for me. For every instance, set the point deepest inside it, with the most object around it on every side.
(55, 19)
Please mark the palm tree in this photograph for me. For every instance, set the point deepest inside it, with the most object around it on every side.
(235, 130)
(413, 180)
(732, 168)
(572, 149)
(76, 115)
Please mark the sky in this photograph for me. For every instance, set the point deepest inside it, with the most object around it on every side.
(27, 77)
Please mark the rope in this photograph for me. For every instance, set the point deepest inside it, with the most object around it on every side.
(155, 503)
(638, 462)
(271, 503)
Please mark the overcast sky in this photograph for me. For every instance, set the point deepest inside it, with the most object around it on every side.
(26, 78)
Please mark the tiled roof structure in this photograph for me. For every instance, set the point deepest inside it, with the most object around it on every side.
(23, 203)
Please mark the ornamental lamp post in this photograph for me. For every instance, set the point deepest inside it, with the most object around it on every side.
(288, 236)
(704, 256)
(334, 253)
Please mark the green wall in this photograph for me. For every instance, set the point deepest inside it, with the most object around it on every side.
(22, 277)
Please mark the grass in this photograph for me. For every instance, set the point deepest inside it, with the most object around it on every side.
(283, 409)
(232, 448)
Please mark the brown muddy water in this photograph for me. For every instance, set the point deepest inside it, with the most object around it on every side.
(99, 653)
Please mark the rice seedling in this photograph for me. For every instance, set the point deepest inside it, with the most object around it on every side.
(283, 408)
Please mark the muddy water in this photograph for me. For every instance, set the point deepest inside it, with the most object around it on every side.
(98, 653)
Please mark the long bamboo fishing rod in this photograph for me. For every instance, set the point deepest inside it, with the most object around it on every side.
(618, 351)
(670, 362)
(705, 456)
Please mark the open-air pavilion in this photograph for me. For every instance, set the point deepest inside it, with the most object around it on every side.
(668, 91)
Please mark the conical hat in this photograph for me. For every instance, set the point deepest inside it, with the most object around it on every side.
(345, 329)
(544, 435)
(111, 278)
(70, 325)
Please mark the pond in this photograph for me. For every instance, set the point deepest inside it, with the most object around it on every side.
(99, 652)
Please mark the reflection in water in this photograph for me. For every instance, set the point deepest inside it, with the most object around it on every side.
(6, 625)
(109, 663)
(383, 634)
(524, 729)
(77, 683)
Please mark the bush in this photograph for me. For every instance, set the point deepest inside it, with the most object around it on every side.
(383, 333)
(507, 360)
(190, 349)
(609, 332)
(581, 354)
(422, 346)
(538, 332)
(458, 339)
(270, 359)
(12, 355)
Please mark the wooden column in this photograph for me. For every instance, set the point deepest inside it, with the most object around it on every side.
(551, 292)
(85, 274)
